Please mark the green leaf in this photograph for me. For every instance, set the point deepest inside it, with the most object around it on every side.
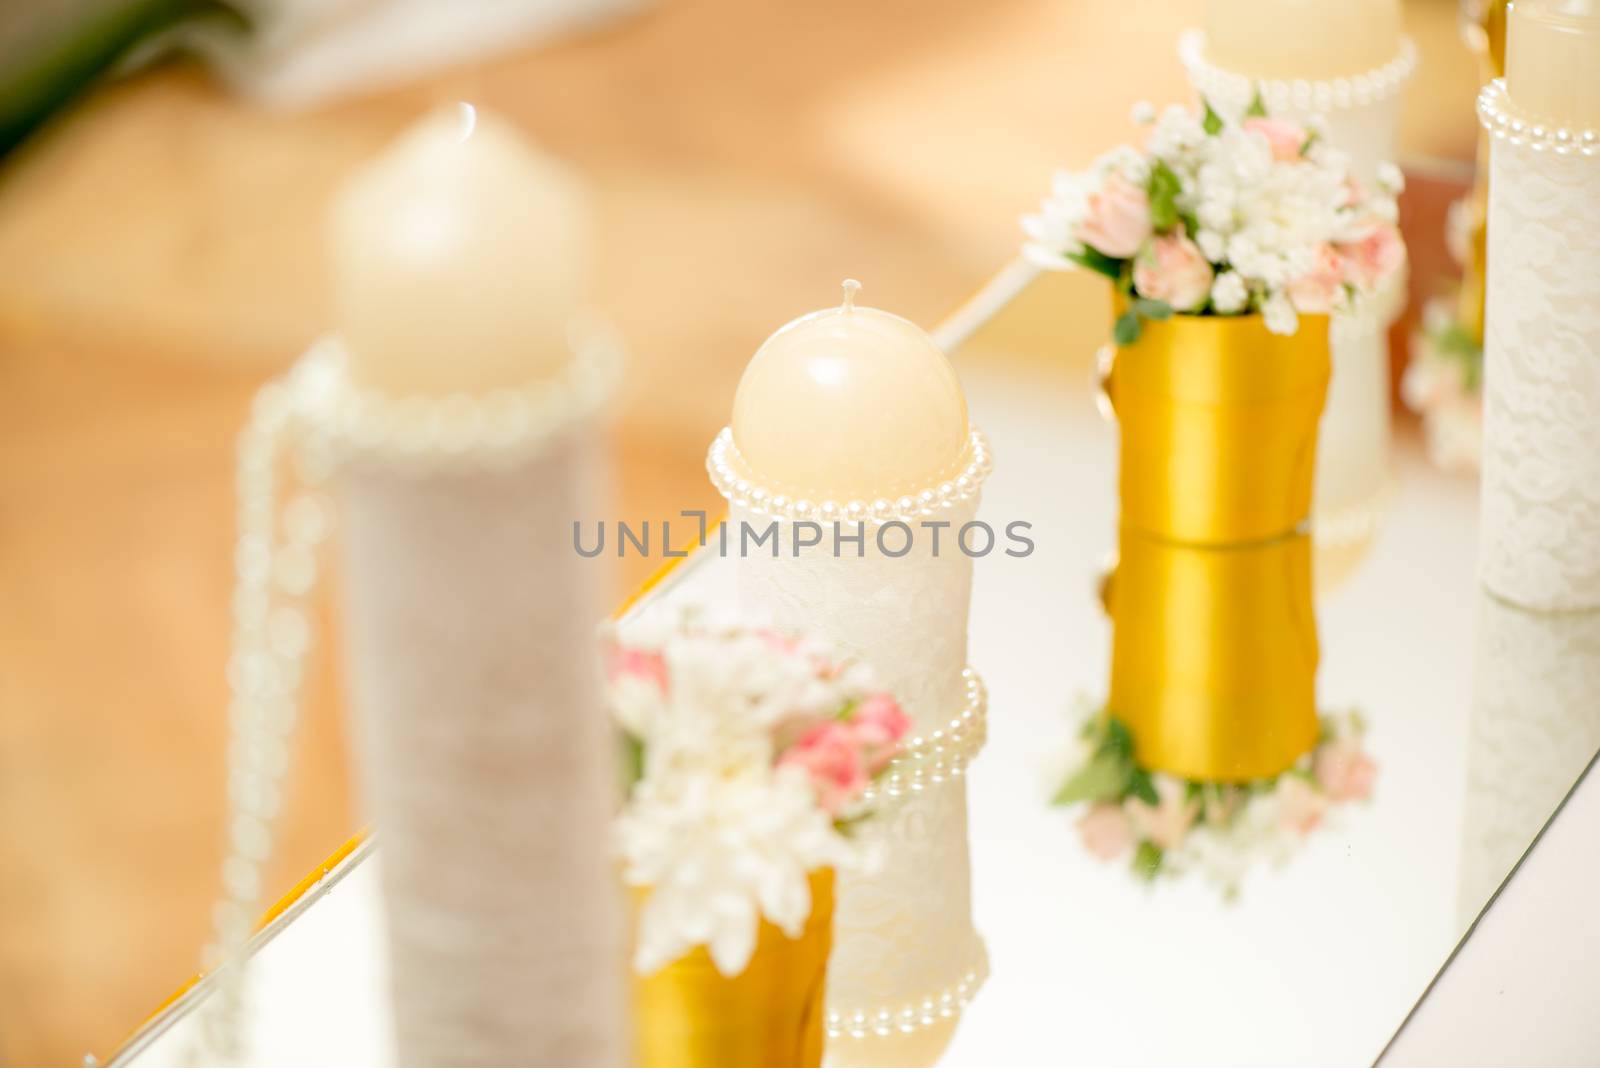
(1103, 778)
(1098, 261)
(1163, 188)
(1154, 310)
(1258, 106)
(1140, 786)
(632, 762)
(1118, 738)
(1147, 860)
(1126, 332)
(1212, 123)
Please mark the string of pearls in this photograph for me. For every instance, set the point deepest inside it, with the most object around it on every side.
(908, 1019)
(324, 420)
(275, 572)
(942, 754)
(1499, 116)
(733, 479)
(1299, 94)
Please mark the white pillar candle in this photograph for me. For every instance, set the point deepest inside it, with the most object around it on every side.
(485, 756)
(850, 403)
(1553, 61)
(1311, 39)
(853, 414)
(459, 257)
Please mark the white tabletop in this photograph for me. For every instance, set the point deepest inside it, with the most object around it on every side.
(1316, 963)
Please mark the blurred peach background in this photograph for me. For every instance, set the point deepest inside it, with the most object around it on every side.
(160, 255)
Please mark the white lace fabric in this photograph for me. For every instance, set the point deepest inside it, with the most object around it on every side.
(1540, 535)
(904, 937)
(1535, 725)
(486, 758)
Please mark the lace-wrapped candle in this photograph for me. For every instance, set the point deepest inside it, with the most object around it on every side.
(483, 748)
(852, 475)
(1341, 63)
(1540, 531)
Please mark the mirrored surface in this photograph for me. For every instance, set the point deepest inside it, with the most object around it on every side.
(1479, 718)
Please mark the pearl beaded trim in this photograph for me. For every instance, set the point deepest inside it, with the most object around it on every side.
(496, 428)
(324, 420)
(731, 476)
(1298, 94)
(941, 755)
(911, 1018)
(1500, 117)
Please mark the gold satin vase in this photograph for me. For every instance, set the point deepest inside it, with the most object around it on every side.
(689, 1015)
(1218, 426)
(1214, 655)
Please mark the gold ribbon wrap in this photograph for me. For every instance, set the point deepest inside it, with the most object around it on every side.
(1214, 655)
(689, 1015)
(1218, 421)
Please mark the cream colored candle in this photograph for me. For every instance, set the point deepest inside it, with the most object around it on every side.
(1553, 61)
(850, 404)
(1313, 39)
(458, 258)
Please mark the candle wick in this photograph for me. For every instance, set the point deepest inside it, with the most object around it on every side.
(468, 116)
(850, 287)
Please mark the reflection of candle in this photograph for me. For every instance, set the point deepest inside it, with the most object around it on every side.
(1553, 60)
(1301, 38)
(850, 404)
(458, 258)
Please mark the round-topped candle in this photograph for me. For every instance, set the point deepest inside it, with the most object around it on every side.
(1312, 39)
(1553, 61)
(459, 257)
(850, 404)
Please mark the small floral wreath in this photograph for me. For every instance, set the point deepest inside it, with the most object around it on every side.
(1169, 826)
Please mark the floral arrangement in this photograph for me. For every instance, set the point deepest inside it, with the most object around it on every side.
(748, 755)
(1222, 216)
(1443, 382)
(1168, 826)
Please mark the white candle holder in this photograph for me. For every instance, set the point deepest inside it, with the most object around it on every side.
(1360, 116)
(906, 956)
(483, 751)
(1540, 535)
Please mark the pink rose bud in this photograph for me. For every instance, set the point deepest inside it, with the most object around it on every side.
(1285, 138)
(1372, 257)
(879, 724)
(1344, 770)
(1173, 269)
(1106, 831)
(1317, 291)
(1300, 806)
(1118, 219)
(636, 663)
(1167, 823)
(831, 759)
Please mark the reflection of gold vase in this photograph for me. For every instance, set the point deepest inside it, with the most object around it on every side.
(1218, 421)
(1214, 655)
(689, 1015)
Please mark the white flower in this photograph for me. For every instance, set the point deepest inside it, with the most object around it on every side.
(1278, 314)
(1229, 295)
(1142, 113)
(1052, 231)
(1391, 179)
(719, 853)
